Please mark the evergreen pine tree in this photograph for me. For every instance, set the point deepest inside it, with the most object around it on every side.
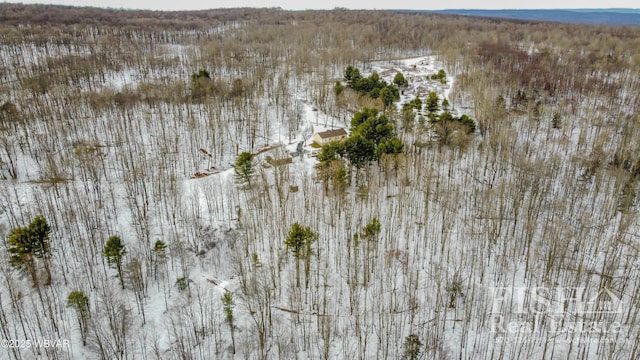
(80, 302)
(359, 150)
(432, 103)
(228, 305)
(372, 228)
(114, 251)
(243, 168)
(400, 80)
(412, 347)
(25, 244)
(299, 241)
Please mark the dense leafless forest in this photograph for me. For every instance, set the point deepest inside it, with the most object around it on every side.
(129, 230)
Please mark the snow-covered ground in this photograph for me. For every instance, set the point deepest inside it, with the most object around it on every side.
(455, 226)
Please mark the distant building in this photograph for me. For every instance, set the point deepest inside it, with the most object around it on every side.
(279, 162)
(328, 136)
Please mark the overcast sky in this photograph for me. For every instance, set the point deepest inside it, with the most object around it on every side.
(351, 4)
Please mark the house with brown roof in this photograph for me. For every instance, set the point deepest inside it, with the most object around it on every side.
(328, 136)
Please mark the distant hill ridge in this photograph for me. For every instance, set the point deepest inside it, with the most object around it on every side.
(576, 16)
